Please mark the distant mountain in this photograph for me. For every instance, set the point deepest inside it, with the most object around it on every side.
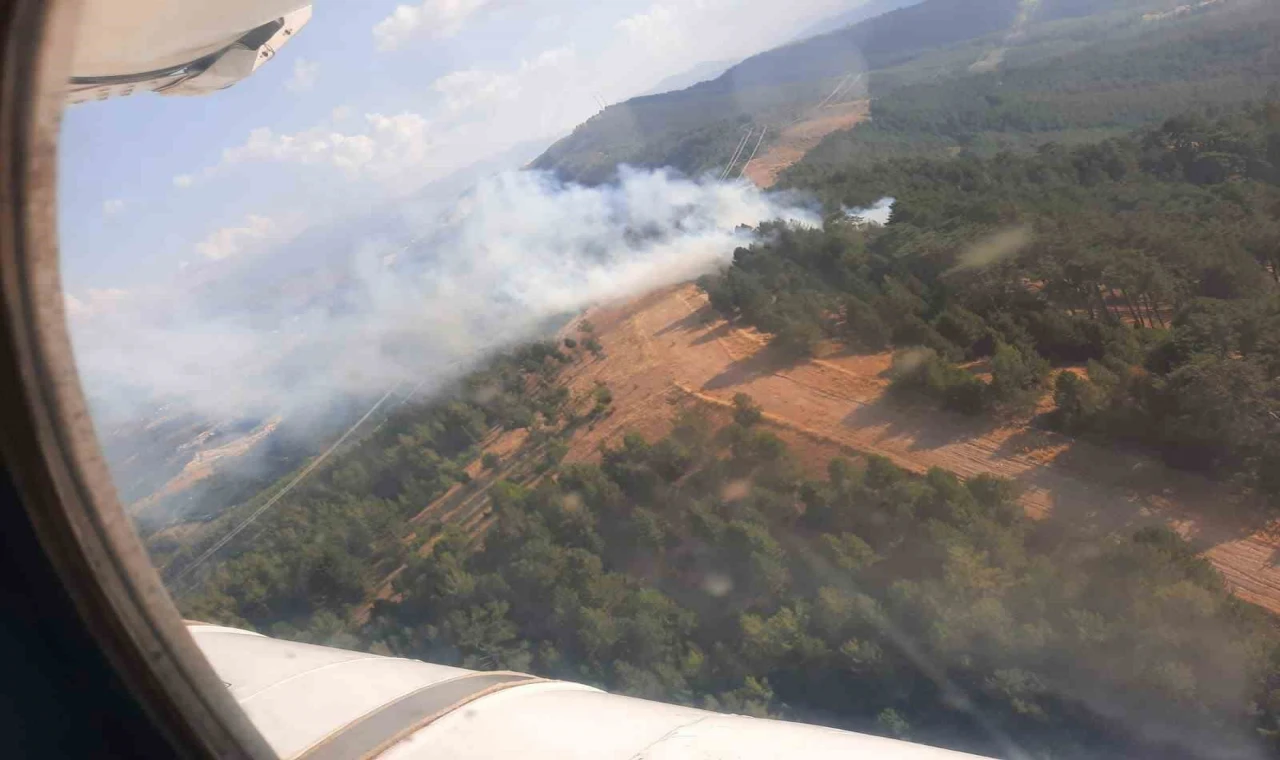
(694, 128)
(864, 11)
(702, 72)
(1067, 87)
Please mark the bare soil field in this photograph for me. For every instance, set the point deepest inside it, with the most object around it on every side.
(668, 347)
(801, 137)
(667, 351)
(204, 464)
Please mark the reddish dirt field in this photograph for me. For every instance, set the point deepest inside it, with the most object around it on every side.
(667, 348)
(800, 138)
(204, 464)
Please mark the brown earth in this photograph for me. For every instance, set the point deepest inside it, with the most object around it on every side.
(646, 401)
(668, 347)
(668, 351)
(801, 137)
(204, 464)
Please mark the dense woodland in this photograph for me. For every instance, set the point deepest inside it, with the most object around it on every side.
(321, 548)
(695, 129)
(1043, 245)
(1149, 262)
(1134, 75)
(704, 568)
(1078, 71)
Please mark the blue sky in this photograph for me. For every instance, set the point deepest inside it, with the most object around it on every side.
(371, 101)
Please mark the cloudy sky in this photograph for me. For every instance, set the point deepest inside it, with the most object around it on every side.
(373, 99)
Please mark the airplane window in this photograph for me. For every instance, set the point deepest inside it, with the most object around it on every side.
(471, 368)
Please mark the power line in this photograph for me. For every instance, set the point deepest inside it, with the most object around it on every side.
(316, 463)
(404, 400)
(282, 492)
(737, 153)
(839, 86)
(753, 152)
(411, 393)
(848, 87)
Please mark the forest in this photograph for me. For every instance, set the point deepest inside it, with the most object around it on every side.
(322, 548)
(1116, 80)
(1135, 279)
(1060, 250)
(1080, 71)
(695, 129)
(704, 568)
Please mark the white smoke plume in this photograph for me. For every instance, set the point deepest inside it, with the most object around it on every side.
(877, 213)
(311, 322)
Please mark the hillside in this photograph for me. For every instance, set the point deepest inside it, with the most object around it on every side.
(864, 11)
(661, 535)
(839, 402)
(695, 129)
(999, 475)
(703, 72)
(1070, 86)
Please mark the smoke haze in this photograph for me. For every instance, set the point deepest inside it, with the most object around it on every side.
(300, 325)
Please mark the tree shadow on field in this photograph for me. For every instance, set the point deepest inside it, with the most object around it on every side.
(1033, 440)
(840, 350)
(922, 423)
(766, 361)
(1105, 489)
(720, 331)
(1088, 490)
(690, 322)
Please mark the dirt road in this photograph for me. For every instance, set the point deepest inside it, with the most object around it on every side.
(801, 137)
(668, 345)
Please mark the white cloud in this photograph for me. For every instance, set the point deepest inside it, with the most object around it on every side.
(673, 36)
(481, 109)
(470, 87)
(401, 139)
(387, 150)
(113, 206)
(462, 89)
(402, 151)
(548, 59)
(96, 302)
(313, 146)
(232, 241)
(304, 76)
(433, 18)
(656, 29)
